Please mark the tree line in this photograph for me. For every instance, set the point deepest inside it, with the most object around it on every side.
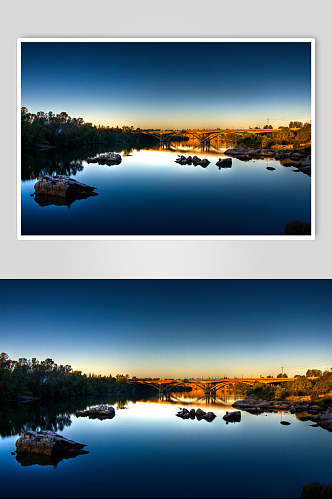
(47, 380)
(62, 131)
(301, 386)
(299, 137)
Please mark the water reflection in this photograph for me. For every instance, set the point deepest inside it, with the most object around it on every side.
(27, 460)
(49, 163)
(155, 196)
(68, 163)
(149, 444)
(56, 417)
(47, 200)
(16, 418)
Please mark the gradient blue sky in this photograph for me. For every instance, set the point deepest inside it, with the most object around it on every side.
(169, 85)
(170, 327)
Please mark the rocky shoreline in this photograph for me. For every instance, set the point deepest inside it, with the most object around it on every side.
(287, 157)
(305, 410)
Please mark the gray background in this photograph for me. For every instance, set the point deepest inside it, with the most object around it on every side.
(143, 18)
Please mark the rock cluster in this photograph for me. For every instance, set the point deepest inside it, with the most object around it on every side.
(232, 416)
(192, 160)
(62, 186)
(288, 157)
(106, 159)
(46, 443)
(101, 412)
(199, 414)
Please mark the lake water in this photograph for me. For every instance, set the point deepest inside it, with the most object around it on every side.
(145, 451)
(150, 194)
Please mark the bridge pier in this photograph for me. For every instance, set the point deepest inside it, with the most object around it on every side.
(165, 144)
(164, 392)
(205, 144)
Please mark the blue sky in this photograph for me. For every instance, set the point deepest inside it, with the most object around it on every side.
(170, 327)
(169, 85)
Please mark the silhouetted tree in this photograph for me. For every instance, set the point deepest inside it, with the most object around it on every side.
(313, 373)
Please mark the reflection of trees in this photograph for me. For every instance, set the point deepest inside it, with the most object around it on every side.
(33, 167)
(15, 418)
(122, 404)
(68, 163)
(18, 418)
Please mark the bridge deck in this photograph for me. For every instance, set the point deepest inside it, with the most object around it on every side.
(217, 380)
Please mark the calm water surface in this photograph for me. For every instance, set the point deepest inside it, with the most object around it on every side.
(149, 194)
(145, 451)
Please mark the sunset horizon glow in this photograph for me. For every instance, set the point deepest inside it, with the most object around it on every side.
(192, 85)
(170, 328)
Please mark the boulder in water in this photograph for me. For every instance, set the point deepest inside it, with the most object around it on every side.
(100, 411)
(232, 416)
(61, 186)
(46, 443)
(224, 163)
(106, 159)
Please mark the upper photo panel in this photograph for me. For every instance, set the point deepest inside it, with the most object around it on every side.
(166, 139)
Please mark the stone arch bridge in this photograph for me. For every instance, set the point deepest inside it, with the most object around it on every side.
(205, 137)
(165, 387)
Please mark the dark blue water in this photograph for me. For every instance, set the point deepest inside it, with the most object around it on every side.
(149, 194)
(148, 452)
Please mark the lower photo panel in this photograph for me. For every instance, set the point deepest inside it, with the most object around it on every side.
(166, 388)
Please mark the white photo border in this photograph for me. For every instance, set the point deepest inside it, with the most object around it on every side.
(312, 236)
